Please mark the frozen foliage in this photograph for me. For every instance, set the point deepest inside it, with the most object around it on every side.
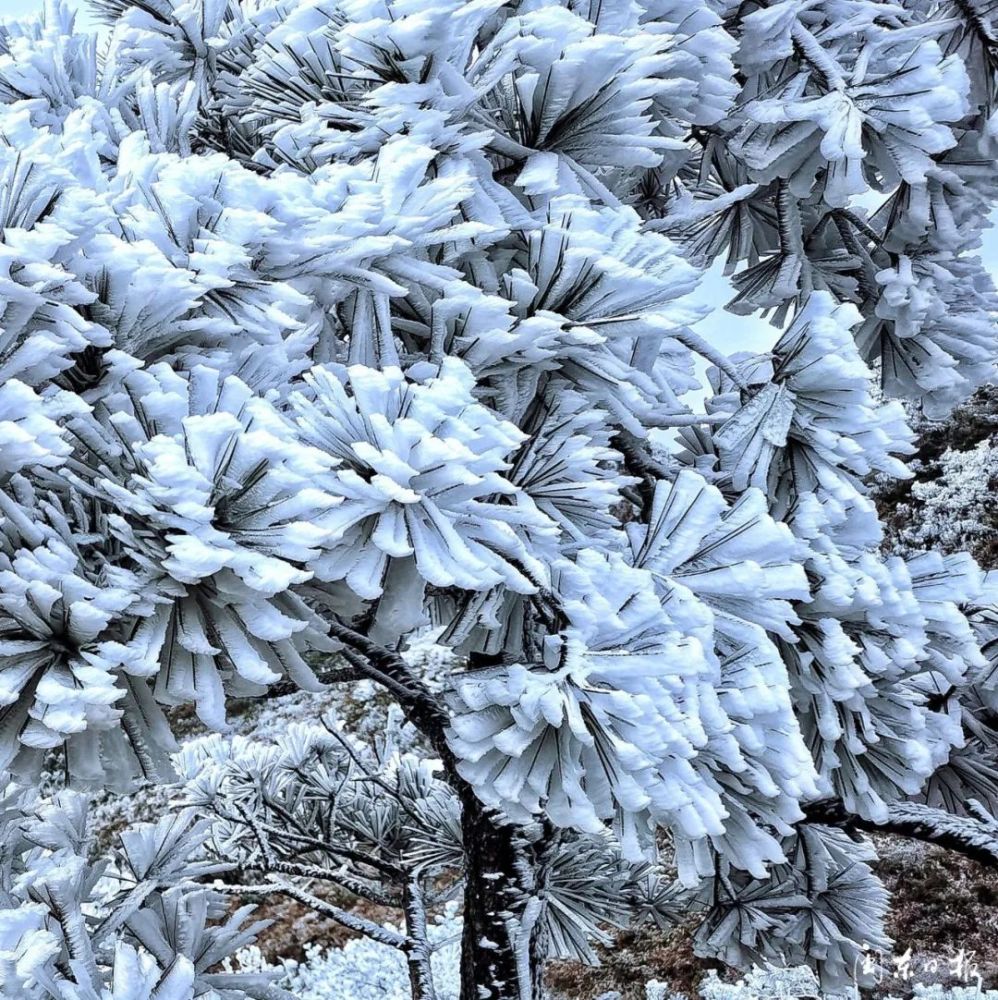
(947, 506)
(327, 327)
(379, 822)
(132, 926)
(952, 509)
(937, 992)
(762, 982)
(799, 911)
(316, 805)
(944, 504)
(419, 468)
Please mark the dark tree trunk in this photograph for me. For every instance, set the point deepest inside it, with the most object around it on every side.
(493, 895)
(500, 865)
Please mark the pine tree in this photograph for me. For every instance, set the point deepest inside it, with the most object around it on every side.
(333, 328)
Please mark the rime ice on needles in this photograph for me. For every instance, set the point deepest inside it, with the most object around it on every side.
(706, 559)
(58, 670)
(74, 923)
(330, 322)
(419, 465)
(834, 123)
(602, 725)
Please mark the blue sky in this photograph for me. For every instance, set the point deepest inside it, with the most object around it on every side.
(18, 8)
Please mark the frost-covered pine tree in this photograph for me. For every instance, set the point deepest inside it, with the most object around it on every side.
(333, 329)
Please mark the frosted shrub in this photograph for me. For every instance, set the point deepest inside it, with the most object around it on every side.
(765, 983)
(365, 970)
(131, 924)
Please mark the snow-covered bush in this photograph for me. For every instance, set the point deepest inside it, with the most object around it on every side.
(133, 925)
(763, 983)
(327, 326)
(365, 969)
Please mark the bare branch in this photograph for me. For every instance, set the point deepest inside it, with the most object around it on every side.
(358, 924)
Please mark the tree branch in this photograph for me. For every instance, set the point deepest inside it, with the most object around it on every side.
(334, 675)
(389, 670)
(317, 873)
(974, 837)
(359, 925)
(420, 970)
(348, 853)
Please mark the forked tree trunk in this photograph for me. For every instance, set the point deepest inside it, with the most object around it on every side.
(499, 959)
